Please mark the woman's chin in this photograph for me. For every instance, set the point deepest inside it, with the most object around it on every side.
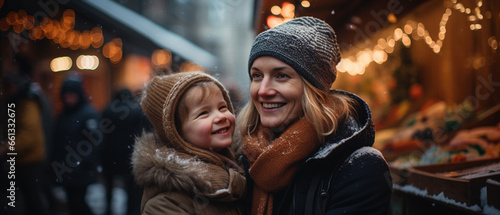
(272, 123)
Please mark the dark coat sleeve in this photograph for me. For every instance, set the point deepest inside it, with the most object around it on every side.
(363, 185)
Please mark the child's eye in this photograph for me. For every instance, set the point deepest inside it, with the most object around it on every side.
(202, 114)
(223, 108)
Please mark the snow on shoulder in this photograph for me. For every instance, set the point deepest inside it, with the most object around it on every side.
(363, 151)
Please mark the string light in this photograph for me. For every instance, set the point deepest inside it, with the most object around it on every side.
(60, 32)
(356, 65)
(113, 50)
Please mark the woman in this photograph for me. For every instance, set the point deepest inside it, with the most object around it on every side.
(307, 148)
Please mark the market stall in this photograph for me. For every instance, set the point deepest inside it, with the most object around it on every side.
(429, 71)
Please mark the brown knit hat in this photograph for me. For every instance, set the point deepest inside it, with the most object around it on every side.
(162, 96)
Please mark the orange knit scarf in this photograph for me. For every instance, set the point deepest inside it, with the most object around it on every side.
(273, 163)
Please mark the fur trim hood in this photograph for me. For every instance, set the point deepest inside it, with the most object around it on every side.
(156, 166)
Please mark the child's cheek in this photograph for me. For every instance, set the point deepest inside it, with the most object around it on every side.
(206, 127)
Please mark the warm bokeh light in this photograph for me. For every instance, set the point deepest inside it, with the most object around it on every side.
(11, 17)
(365, 57)
(392, 18)
(356, 64)
(61, 64)
(276, 10)
(85, 39)
(406, 40)
(36, 33)
(4, 26)
(61, 32)
(287, 10)
(273, 21)
(280, 14)
(493, 43)
(113, 50)
(28, 22)
(398, 33)
(191, 67)
(305, 4)
(136, 72)
(68, 20)
(408, 29)
(97, 38)
(161, 58)
(87, 62)
(379, 56)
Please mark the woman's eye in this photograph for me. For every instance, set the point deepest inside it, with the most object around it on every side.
(256, 76)
(282, 75)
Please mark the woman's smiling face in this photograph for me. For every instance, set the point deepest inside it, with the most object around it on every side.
(276, 90)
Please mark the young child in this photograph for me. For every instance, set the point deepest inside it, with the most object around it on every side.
(185, 166)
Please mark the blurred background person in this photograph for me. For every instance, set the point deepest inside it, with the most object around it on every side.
(25, 101)
(75, 147)
(127, 122)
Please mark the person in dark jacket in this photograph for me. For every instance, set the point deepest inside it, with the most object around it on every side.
(307, 148)
(76, 145)
(128, 121)
(25, 144)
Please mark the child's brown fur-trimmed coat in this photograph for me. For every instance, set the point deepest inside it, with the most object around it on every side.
(177, 183)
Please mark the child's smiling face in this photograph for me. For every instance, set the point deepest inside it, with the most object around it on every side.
(208, 124)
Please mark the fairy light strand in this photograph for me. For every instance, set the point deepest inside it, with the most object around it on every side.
(356, 65)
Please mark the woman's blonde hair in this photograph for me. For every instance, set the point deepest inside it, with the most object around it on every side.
(321, 108)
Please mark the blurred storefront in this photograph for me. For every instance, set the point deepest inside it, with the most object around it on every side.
(429, 69)
(112, 45)
(106, 43)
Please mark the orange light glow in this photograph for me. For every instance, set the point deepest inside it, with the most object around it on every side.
(28, 22)
(85, 40)
(276, 10)
(161, 58)
(305, 4)
(191, 67)
(36, 33)
(113, 50)
(11, 17)
(273, 21)
(136, 72)
(288, 10)
(4, 26)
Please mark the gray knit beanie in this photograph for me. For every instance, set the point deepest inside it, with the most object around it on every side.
(307, 44)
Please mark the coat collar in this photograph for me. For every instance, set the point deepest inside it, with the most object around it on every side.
(355, 132)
